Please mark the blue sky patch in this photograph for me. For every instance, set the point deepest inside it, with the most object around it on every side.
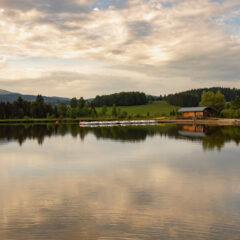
(167, 4)
(105, 4)
(220, 1)
(233, 20)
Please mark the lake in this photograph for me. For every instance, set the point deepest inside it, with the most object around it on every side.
(64, 182)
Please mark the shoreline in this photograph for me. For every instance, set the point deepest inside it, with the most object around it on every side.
(218, 121)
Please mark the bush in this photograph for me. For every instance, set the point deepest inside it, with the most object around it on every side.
(230, 113)
(138, 115)
(49, 116)
(172, 113)
(123, 115)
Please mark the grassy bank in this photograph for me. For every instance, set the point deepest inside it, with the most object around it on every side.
(67, 120)
(46, 120)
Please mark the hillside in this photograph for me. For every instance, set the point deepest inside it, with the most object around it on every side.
(120, 99)
(229, 93)
(157, 108)
(4, 92)
(6, 96)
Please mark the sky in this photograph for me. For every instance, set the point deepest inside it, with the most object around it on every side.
(74, 48)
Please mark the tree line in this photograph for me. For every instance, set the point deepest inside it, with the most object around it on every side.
(183, 100)
(39, 109)
(20, 109)
(192, 98)
(120, 99)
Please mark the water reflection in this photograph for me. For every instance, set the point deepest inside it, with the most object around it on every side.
(211, 137)
(193, 131)
(145, 183)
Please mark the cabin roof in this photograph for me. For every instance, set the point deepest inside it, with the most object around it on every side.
(194, 109)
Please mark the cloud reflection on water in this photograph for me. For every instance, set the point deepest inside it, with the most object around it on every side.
(95, 189)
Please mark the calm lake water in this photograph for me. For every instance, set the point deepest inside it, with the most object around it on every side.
(149, 182)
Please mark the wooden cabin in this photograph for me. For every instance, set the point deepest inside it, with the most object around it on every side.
(197, 112)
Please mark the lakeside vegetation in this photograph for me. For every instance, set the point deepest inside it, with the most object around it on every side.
(79, 109)
(153, 110)
(193, 97)
(129, 105)
(217, 101)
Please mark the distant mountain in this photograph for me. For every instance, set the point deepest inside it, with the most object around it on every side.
(4, 92)
(6, 96)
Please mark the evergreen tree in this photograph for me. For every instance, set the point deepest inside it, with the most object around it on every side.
(104, 110)
(62, 109)
(220, 101)
(93, 112)
(73, 103)
(236, 103)
(81, 102)
(114, 110)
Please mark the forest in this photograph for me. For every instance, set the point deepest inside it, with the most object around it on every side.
(40, 109)
(192, 98)
(120, 99)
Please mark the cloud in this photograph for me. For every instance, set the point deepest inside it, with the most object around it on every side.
(80, 84)
(140, 29)
(53, 6)
(164, 42)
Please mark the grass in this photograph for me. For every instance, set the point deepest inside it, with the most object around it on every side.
(155, 109)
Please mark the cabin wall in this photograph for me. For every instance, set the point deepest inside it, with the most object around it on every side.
(188, 114)
(192, 114)
(205, 113)
(199, 114)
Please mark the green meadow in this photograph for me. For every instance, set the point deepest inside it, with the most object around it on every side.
(155, 109)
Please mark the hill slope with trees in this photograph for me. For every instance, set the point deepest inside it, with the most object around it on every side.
(6, 96)
(192, 98)
(120, 99)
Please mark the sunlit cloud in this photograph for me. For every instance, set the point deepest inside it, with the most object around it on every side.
(166, 44)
